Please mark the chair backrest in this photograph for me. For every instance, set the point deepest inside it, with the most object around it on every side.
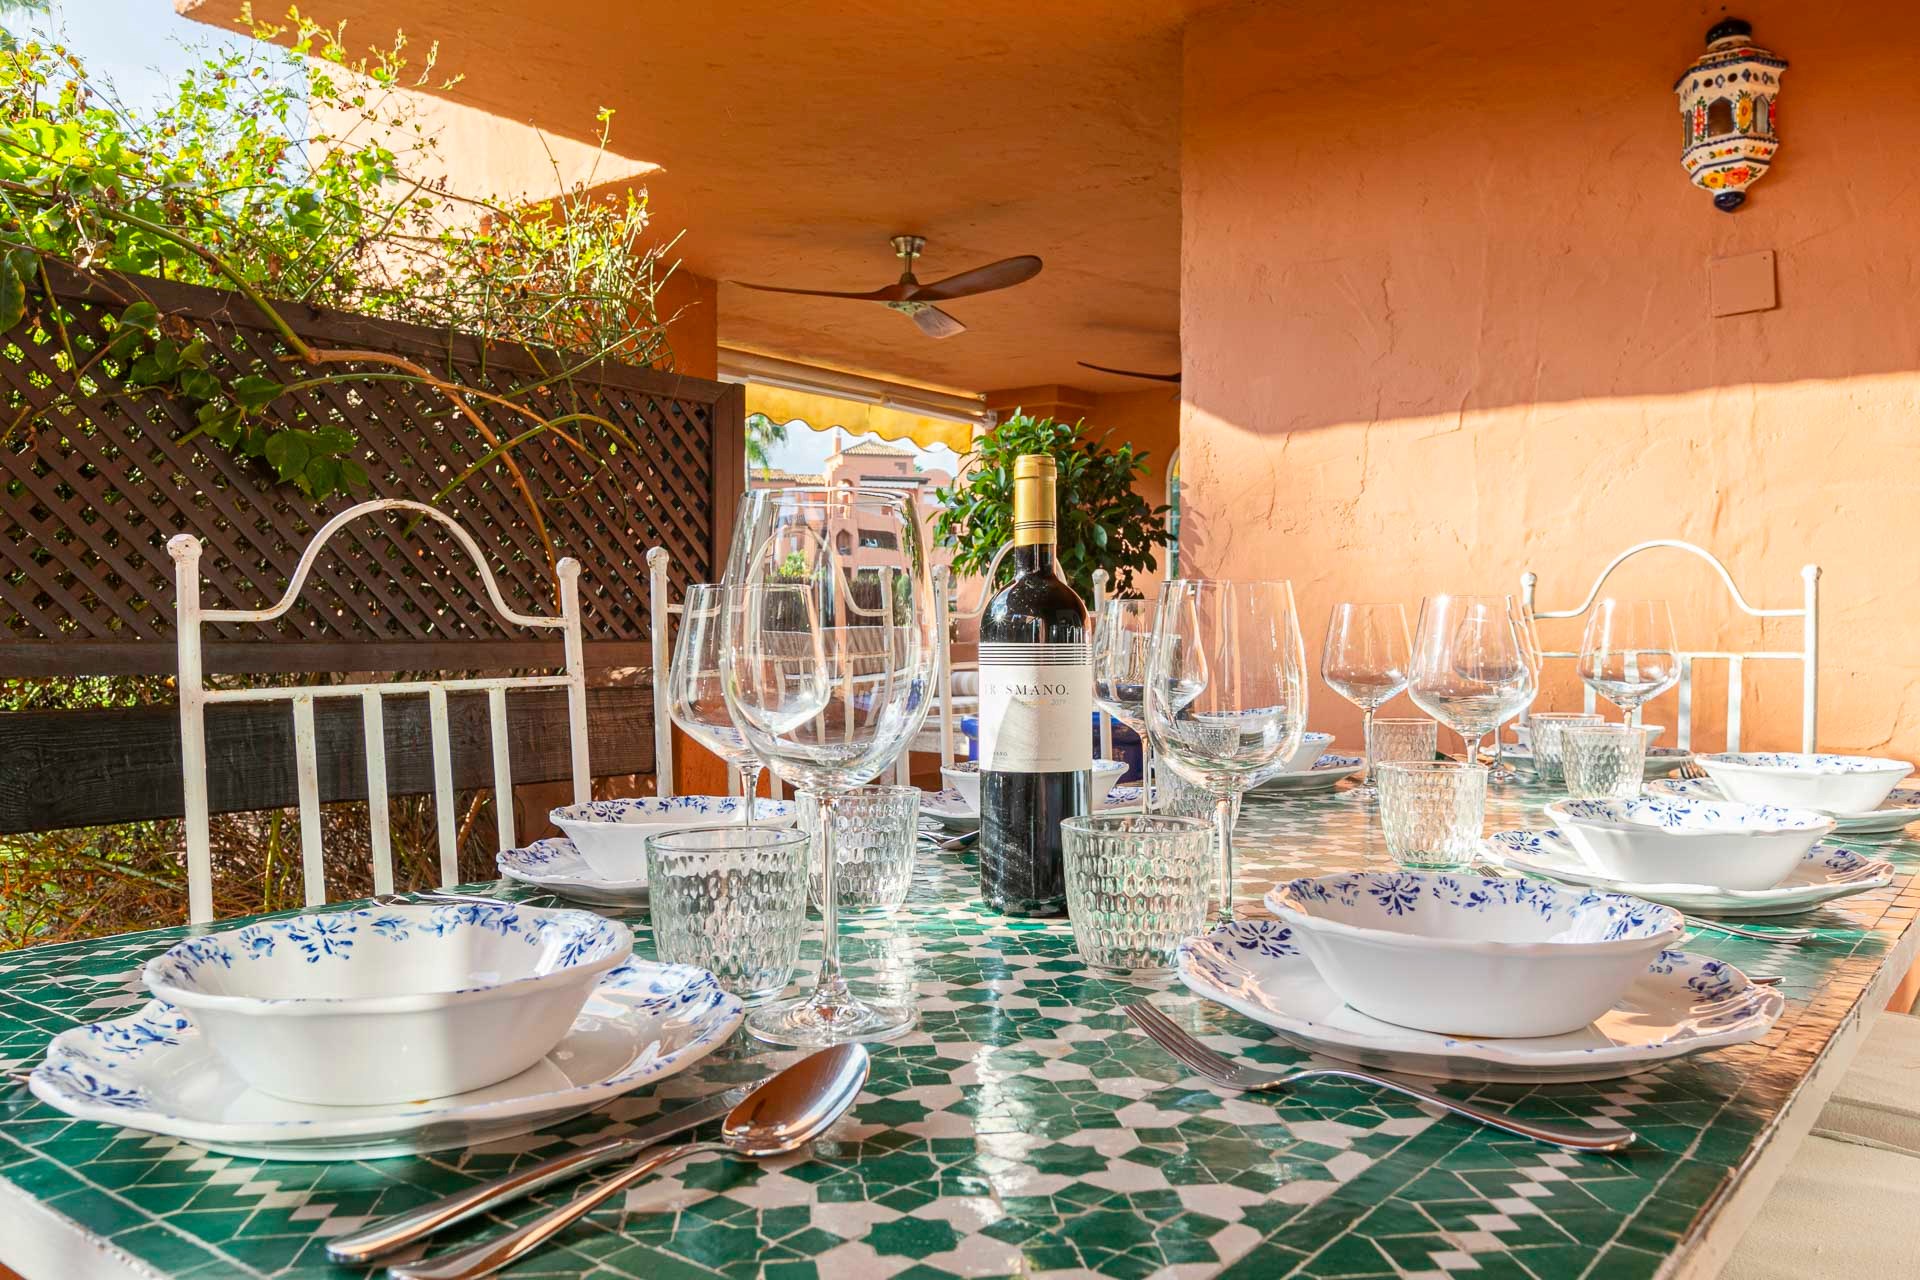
(195, 697)
(1808, 655)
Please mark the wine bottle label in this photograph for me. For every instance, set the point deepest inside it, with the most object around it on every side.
(1036, 708)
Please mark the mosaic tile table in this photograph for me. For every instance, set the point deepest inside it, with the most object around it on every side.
(1025, 1128)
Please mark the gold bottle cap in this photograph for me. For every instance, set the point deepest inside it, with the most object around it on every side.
(1034, 476)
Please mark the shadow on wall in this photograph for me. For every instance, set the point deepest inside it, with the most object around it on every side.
(1445, 317)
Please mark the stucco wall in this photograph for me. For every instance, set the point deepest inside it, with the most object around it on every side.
(1444, 318)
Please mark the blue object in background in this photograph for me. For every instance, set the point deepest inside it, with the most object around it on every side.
(1126, 744)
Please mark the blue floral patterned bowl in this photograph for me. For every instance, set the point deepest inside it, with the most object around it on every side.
(1468, 955)
(389, 1004)
(1667, 840)
(1810, 780)
(612, 834)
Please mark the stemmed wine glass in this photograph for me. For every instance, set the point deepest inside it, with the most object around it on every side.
(1530, 654)
(696, 694)
(828, 663)
(1365, 661)
(1122, 645)
(1469, 668)
(1628, 655)
(1226, 693)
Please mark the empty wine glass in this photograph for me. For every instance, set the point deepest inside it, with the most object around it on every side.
(1530, 652)
(1365, 661)
(1628, 655)
(1122, 645)
(1226, 692)
(1469, 667)
(828, 662)
(696, 695)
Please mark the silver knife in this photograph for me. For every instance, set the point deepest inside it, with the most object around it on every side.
(388, 1234)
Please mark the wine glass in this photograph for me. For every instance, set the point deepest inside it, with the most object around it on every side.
(1365, 661)
(1469, 667)
(1530, 653)
(696, 694)
(828, 662)
(1122, 645)
(1628, 655)
(1226, 694)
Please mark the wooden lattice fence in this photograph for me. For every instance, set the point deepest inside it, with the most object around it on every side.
(91, 491)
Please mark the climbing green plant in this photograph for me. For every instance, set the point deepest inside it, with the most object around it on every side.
(1102, 522)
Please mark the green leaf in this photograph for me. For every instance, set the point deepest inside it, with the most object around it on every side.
(288, 453)
(13, 295)
(255, 392)
(354, 474)
(199, 384)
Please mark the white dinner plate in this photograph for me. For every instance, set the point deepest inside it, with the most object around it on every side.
(555, 866)
(952, 810)
(1325, 775)
(1893, 815)
(1684, 1003)
(153, 1071)
(1660, 761)
(1826, 872)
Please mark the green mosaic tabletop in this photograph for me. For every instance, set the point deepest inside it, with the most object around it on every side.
(1024, 1128)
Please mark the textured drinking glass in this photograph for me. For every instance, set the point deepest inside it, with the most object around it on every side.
(731, 899)
(1432, 811)
(875, 832)
(1137, 887)
(1544, 732)
(1603, 761)
(1398, 741)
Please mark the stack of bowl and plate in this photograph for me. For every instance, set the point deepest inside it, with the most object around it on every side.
(602, 858)
(1748, 843)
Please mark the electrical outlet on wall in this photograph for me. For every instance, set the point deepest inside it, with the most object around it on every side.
(1741, 284)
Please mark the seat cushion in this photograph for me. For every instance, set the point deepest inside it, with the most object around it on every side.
(1878, 1100)
(1842, 1212)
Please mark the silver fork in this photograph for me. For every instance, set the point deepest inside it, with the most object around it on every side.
(1602, 1136)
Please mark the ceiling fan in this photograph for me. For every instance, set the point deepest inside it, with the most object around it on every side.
(1130, 373)
(916, 301)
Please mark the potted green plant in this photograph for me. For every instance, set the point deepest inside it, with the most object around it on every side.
(1103, 522)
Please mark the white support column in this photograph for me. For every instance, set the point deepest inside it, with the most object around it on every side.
(443, 785)
(576, 654)
(943, 624)
(1736, 686)
(659, 623)
(313, 869)
(502, 767)
(1810, 675)
(1099, 603)
(379, 828)
(185, 550)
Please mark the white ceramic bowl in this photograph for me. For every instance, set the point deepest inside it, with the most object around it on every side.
(1467, 955)
(1838, 784)
(389, 1004)
(612, 834)
(964, 777)
(1661, 840)
(1312, 747)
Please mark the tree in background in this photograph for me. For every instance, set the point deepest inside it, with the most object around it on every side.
(763, 434)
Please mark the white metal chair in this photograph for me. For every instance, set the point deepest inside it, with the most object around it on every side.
(1808, 655)
(195, 697)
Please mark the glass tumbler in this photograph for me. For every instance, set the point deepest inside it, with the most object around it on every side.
(1604, 761)
(1544, 736)
(876, 830)
(732, 899)
(1433, 811)
(1137, 887)
(1397, 741)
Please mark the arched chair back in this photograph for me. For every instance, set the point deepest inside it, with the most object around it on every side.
(195, 697)
(1808, 655)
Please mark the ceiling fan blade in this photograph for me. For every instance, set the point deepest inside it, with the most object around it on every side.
(936, 323)
(886, 293)
(1003, 274)
(1130, 373)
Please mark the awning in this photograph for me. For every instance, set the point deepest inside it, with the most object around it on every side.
(823, 412)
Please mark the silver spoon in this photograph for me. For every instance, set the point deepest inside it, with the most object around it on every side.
(782, 1115)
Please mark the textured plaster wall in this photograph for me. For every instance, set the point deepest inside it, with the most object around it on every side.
(1444, 318)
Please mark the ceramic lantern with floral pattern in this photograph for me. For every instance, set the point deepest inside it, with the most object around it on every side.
(1730, 113)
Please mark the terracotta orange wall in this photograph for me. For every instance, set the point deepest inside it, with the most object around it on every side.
(1444, 318)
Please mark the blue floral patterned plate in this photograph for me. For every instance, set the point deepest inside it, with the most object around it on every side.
(557, 867)
(1826, 873)
(1684, 1003)
(1325, 775)
(154, 1071)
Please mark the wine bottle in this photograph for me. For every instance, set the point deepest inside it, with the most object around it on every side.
(1036, 712)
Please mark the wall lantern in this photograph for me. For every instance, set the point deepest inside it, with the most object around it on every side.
(1730, 113)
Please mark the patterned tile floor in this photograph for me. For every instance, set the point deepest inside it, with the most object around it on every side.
(1024, 1128)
